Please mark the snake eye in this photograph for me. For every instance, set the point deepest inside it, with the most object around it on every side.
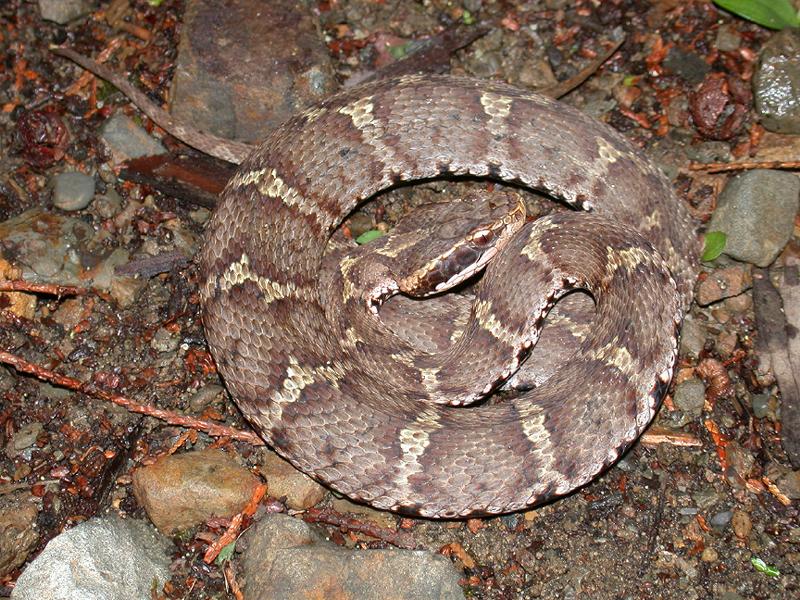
(483, 237)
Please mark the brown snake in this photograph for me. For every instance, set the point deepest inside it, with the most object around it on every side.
(359, 417)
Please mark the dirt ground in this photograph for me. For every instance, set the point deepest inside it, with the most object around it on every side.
(671, 520)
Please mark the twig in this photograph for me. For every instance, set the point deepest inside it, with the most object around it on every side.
(657, 436)
(212, 429)
(331, 517)
(235, 526)
(562, 88)
(20, 285)
(228, 150)
(744, 165)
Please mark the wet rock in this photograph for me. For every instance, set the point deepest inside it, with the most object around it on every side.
(126, 140)
(165, 341)
(69, 313)
(51, 248)
(286, 558)
(107, 205)
(24, 438)
(789, 484)
(776, 82)
(64, 11)
(23, 305)
(763, 405)
(245, 89)
(741, 459)
(756, 211)
(285, 482)
(183, 490)
(741, 523)
(724, 283)
(693, 337)
(101, 559)
(707, 152)
(72, 191)
(690, 396)
(720, 520)
(18, 533)
(203, 397)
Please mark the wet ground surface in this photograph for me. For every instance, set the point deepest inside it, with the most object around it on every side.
(681, 516)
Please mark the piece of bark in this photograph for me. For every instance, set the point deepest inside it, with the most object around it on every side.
(194, 178)
(777, 310)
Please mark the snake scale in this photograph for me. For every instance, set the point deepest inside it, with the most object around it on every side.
(361, 418)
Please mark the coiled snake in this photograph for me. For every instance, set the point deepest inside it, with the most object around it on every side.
(351, 404)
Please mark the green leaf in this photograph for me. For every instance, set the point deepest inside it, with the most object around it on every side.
(715, 244)
(226, 553)
(155, 3)
(467, 18)
(763, 567)
(775, 14)
(368, 236)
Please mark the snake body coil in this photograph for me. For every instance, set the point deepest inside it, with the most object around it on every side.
(356, 415)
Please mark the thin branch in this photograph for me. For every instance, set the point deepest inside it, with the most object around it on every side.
(212, 429)
(331, 517)
(562, 88)
(744, 165)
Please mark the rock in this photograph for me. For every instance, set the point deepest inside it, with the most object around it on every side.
(24, 438)
(165, 341)
(203, 397)
(709, 555)
(72, 191)
(742, 525)
(183, 490)
(104, 558)
(18, 533)
(763, 406)
(107, 205)
(720, 520)
(741, 459)
(53, 248)
(285, 482)
(693, 337)
(776, 82)
(690, 396)
(243, 90)
(789, 484)
(23, 305)
(125, 139)
(724, 283)
(64, 11)
(756, 210)
(286, 558)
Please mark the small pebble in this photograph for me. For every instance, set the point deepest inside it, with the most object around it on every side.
(72, 191)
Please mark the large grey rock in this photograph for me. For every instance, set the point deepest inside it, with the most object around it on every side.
(285, 558)
(105, 558)
(756, 210)
(776, 82)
